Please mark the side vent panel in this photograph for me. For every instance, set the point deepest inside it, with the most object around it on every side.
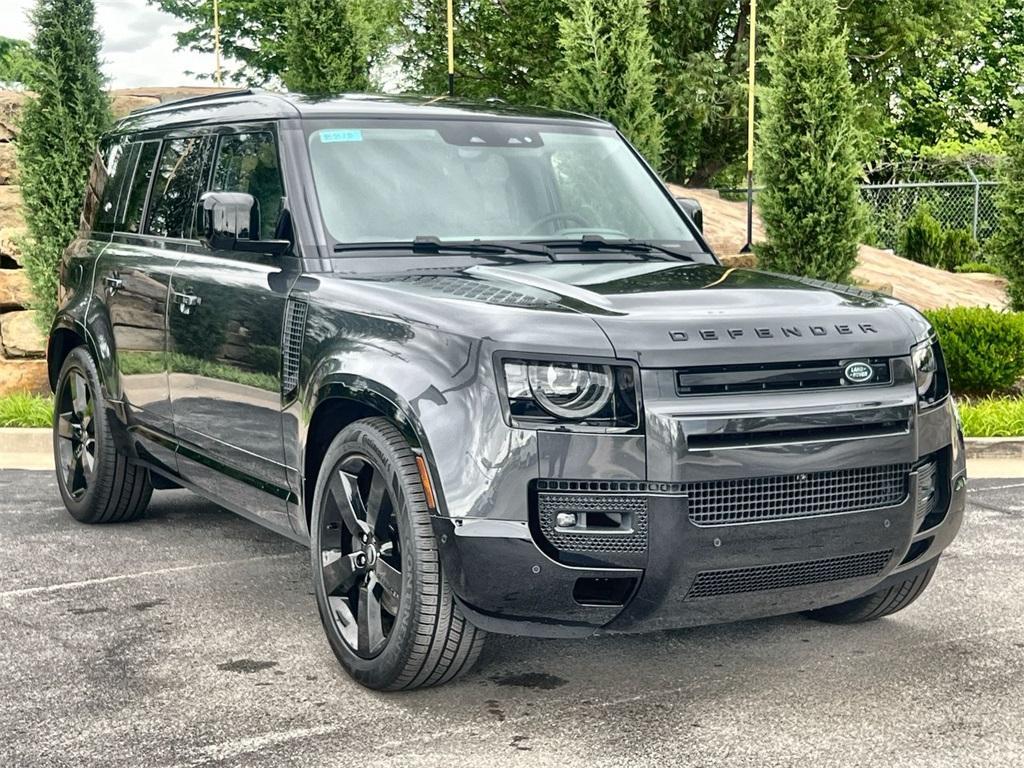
(291, 344)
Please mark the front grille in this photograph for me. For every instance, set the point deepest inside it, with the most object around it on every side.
(632, 537)
(786, 575)
(782, 497)
(776, 377)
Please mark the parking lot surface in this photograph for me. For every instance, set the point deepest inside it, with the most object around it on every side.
(190, 638)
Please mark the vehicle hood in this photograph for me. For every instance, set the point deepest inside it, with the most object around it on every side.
(663, 312)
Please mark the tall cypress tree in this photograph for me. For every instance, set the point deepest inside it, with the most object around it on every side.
(1006, 246)
(808, 146)
(57, 141)
(608, 69)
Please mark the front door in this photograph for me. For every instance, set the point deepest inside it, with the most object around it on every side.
(225, 319)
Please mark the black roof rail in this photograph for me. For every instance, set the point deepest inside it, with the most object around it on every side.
(192, 99)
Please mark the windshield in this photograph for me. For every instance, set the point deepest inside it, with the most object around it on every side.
(486, 180)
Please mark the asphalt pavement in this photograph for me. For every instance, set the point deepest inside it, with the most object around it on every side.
(190, 638)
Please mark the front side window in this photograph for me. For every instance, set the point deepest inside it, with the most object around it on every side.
(247, 162)
(179, 176)
(485, 180)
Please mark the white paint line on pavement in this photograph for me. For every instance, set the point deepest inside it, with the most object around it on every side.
(995, 487)
(141, 575)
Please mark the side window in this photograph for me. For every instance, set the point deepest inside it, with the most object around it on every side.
(135, 193)
(179, 176)
(106, 180)
(247, 162)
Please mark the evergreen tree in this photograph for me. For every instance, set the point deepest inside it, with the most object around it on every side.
(807, 157)
(608, 69)
(331, 45)
(1006, 246)
(60, 128)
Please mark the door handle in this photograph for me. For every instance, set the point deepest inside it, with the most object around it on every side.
(114, 284)
(186, 301)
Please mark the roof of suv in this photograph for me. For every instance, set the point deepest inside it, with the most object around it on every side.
(256, 104)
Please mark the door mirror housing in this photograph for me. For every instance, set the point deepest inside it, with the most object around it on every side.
(231, 222)
(692, 208)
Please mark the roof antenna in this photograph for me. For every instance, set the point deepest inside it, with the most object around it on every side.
(451, 48)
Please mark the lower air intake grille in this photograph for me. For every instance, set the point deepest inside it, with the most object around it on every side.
(781, 497)
(786, 575)
(629, 535)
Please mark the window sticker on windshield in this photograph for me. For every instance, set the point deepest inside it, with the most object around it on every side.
(351, 134)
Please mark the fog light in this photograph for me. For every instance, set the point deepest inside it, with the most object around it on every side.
(565, 520)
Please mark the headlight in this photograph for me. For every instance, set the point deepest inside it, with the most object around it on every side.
(930, 372)
(544, 392)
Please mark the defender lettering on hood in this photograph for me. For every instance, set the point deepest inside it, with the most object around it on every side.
(767, 332)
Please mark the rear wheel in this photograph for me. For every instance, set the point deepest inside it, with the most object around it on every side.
(387, 609)
(894, 596)
(97, 484)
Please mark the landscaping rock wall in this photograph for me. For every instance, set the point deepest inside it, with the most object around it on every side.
(22, 346)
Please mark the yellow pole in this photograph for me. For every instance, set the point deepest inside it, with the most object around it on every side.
(751, 69)
(451, 47)
(216, 43)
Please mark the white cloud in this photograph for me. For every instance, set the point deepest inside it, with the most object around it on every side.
(138, 43)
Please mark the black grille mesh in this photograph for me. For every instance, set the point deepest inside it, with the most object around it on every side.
(291, 349)
(786, 575)
(550, 504)
(781, 497)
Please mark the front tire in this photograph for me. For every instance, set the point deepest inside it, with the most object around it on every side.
(389, 614)
(893, 597)
(97, 484)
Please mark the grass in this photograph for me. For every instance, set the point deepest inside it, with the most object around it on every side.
(993, 417)
(21, 410)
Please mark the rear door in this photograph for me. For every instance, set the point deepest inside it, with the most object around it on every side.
(131, 286)
(225, 323)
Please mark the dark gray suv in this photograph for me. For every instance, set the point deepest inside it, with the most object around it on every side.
(485, 365)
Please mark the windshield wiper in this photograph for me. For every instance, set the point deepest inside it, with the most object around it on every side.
(599, 243)
(424, 244)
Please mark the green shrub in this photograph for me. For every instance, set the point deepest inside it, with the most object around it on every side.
(1006, 245)
(984, 349)
(808, 159)
(59, 131)
(20, 410)
(993, 417)
(925, 241)
(977, 266)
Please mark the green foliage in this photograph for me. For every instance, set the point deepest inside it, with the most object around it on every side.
(15, 60)
(60, 128)
(924, 240)
(1006, 247)
(984, 349)
(608, 69)
(329, 47)
(252, 33)
(22, 410)
(810, 204)
(977, 267)
(993, 417)
(503, 50)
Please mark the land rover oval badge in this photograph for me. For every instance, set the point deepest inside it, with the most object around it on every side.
(858, 372)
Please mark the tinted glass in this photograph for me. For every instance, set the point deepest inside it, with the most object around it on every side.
(247, 162)
(136, 192)
(465, 180)
(179, 176)
(107, 179)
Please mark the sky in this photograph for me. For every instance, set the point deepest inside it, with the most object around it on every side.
(138, 43)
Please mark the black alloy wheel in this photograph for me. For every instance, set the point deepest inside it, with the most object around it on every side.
(360, 555)
(387, 608)
(98, 483)
(76, 434)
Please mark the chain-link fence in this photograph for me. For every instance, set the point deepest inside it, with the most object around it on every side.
(967, 205)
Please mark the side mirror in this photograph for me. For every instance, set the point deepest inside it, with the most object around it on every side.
(692, 209)
(231, 222)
